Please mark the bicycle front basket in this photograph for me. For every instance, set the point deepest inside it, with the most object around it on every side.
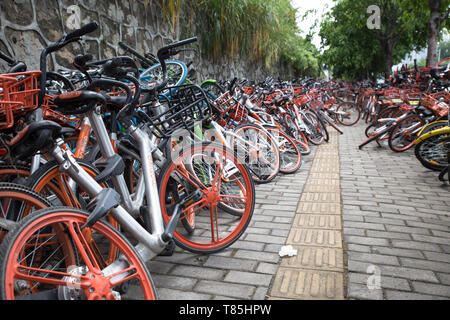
(183, 107)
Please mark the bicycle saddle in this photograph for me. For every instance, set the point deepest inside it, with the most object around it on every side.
(33, 138)
(77, 102)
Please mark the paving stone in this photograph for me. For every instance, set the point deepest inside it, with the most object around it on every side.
(394, 271)
(230, 263)
(257, 279)
(272, 225)
(232, 290)
(257, 255)
(315, 258)
(248, 245)
(432, 289)
(444, 277)
(358, 291)
(386, 282)
(385, 221)
(407, 229)
(364, 225)
(198, 272)
(320, 197)
(358, 247)
(306, 284)
(268, 268)
(260, 293)
(265, 238)
(437, 256)
(398, 252)
(416, 245)
(388, 235)
(315, 237)
(373, 258)
(438, 240)
(172, 294)
(312, 221)
(366, 240)
(400, 295)
(319, 208)
(426, 265)
(181, 283)
(354, 231)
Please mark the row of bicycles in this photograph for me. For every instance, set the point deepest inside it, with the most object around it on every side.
(110, 164)
(412, 112)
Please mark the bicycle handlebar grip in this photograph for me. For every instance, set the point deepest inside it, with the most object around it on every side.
(181, 43)
(123, 46)
(7, 58)
(90, 27)
(81, 60)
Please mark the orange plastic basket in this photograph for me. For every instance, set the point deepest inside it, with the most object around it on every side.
(18, 96)
(231, 111)
(50, 113)
(225, 102)
(439, 108)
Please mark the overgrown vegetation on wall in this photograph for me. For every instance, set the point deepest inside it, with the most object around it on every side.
(263, 31)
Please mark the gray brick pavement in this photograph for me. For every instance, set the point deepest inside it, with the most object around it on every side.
(395, 216)
(245, 270)
(395, 223)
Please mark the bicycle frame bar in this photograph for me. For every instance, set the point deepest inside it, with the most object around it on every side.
(152, 243)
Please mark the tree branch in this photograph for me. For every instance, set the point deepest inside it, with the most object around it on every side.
(445, 15)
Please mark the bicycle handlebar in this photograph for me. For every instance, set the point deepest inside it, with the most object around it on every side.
(71, 37)
(88, 28)
(7, 58)
(135, 53)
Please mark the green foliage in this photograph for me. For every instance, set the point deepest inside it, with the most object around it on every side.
(263, 31)
(353, 51)
(444, 48)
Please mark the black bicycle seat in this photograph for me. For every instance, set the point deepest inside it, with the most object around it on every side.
(116, 101)
(33, 138)
(77, 102)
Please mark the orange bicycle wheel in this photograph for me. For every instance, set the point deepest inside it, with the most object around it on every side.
(205, 169)
(48, 257)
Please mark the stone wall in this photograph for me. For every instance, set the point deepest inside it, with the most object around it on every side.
(26, 26)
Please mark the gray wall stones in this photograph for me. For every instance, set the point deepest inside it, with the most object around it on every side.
(26, 26)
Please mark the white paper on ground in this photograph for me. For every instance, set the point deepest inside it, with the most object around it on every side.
(287, 251)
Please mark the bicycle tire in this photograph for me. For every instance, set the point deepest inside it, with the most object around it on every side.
(433, 163)
(65, 256)
(17, 201)
(178, 79)
(343, 107)
(290, 155)
(207, 237)
(254, 158)
(393, 144)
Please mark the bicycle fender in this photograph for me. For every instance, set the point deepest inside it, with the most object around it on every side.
(444, 130)
(431, 123)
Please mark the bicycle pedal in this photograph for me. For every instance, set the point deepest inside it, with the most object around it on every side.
(114, 166)
(102, 203)
(168, 250)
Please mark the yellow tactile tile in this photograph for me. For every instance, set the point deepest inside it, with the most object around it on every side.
(317, 271)
(312, 221)
(307, 284)
(315, 258)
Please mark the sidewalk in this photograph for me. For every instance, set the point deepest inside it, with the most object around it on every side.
(396, 222)
(374, 219)
(246, 269)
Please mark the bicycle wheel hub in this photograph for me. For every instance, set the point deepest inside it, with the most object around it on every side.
(211, 195)
(99, 288)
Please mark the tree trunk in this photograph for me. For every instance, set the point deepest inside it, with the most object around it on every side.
(434, 28)
(387, 47)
